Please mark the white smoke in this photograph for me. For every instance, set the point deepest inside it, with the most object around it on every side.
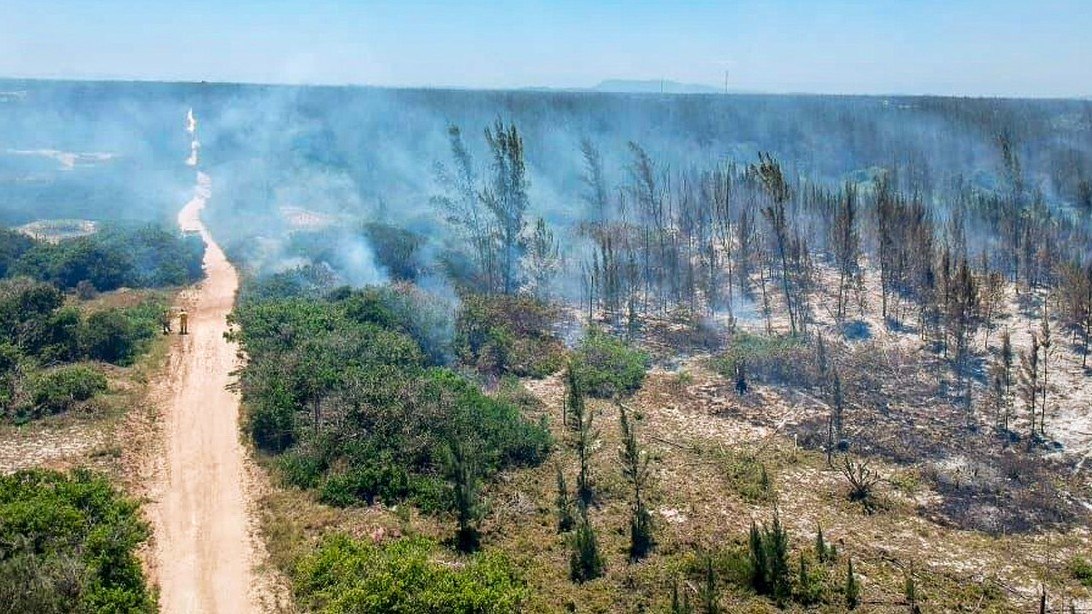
(195, 145)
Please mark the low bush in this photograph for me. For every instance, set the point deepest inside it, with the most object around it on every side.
(608, 367)
(773, 359)
(341, 387)
(405, 576)
(67, 544)
(1081, 570)
(13, 244)
(63, 388)
(118, 335)
(499, 334)
(396, 249)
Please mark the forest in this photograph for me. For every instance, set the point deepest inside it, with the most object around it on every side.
(934, 334)
(568, 351)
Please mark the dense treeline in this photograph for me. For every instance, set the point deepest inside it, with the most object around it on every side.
(68, 544)
(114, 257)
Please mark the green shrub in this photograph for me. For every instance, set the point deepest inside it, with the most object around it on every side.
(405, 576)
(271, 417)
(1081, 570)
(397, 250)
(425, 318)
(13, 244)
(341, 387)
(607, 366)
(749, 477)
(69, 545)
(117, 335)
(58, 340)
(499, 334)
(776, 359)
(10, 358)
(25, 309)
(299, 469)
(61, 389)
(310, 281)
(381, 478)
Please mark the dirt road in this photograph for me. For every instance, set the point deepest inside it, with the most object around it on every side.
(204, 554)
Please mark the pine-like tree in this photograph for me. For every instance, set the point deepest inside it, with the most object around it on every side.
(1046, 341)
(852, 590)
(910, 591)
(846, 245)
(710, 598)
(463, 472)
(585, 562)
(680, 600)
(824, 553)
(777, 556)
(760, 568)
(1028, 384)
(506, 198)
(769, 557)
(580, 417)
(543, 259)
(565, 519)
(635, 470)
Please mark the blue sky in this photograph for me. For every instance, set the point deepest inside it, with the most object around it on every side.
(969, 47)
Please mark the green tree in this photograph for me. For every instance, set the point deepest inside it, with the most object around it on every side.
(70, 543)
(635, 470)
(581, 418)
(769, 558)
(710, 598)
(465, 483)
(565, 519)
(680, 600)
(585, 562)
(852, 590)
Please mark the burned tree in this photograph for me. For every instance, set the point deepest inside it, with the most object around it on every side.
(768, 172)
(846, 245)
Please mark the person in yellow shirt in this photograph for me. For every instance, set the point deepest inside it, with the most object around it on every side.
(183, 322)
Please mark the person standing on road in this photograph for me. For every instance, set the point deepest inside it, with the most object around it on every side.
(165, 321)
(183, 321)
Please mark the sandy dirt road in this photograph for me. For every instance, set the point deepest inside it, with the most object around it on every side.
(204, 553)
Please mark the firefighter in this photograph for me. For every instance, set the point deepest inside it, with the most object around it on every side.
(741, 377)
(183, 320)
(165, 321)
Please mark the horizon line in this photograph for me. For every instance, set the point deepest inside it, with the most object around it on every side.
(544, 88)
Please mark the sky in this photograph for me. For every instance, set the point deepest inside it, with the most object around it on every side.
(1034, 48)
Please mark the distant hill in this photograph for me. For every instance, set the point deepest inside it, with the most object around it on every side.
(653, 86)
